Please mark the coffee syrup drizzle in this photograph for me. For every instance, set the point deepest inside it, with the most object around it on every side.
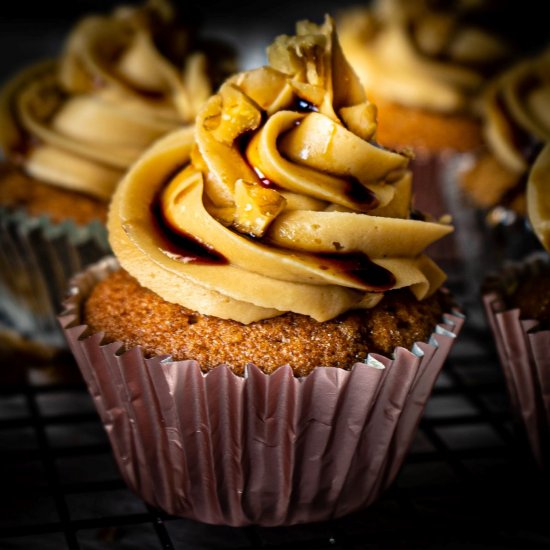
(356, 266)
(179, 245)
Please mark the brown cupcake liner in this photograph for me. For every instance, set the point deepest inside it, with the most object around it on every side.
(524, 354)
(38, 259)
(260, 449)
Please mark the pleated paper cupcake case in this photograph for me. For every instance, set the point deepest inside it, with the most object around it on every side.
(260, 449)
(524, 354)
(37, 259)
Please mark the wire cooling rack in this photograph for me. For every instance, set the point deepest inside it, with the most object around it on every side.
(468, 482)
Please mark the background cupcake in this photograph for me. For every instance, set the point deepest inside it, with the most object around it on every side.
(517, 304)
(516, 118)
(488, 195)
(425, 65)
(516, 122)
(68, 130)
(275, 242)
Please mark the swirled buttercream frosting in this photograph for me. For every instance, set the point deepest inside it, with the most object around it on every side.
(279, 199)
(429, 55)
(122, 82)
(516, 112)
(538, 197)
(516, 124)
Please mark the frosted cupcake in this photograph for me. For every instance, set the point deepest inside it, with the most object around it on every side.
(69, 129)
(266, 352)
(516, 109)
(425, 65)
(516, 120)
(517, 303)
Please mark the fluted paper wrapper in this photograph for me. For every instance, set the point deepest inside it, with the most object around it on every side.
(38, 259)
(524, 354)
(259, 449)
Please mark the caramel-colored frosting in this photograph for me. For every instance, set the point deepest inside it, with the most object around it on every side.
(421, 54)
(279, 200)
(516, 113)
(538, 197)
(81, 121)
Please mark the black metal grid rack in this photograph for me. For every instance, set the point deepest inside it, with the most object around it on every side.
(468, 482)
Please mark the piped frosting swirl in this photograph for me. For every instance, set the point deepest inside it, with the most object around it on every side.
(123, 81)
(422, 54)
(516, 112)
(279, 200)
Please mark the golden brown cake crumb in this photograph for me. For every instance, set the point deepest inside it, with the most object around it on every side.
(18, 190)
(400, 126)
(487, 183)
(532, 297)
(126, 311)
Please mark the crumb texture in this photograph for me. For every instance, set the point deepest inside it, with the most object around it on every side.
(18, 190)
(125, 311)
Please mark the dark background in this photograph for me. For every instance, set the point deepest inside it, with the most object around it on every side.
(29, 32)
(33, 30)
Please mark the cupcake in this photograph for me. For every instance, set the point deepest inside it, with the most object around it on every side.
(425, 65)
(517, 304)
(262, 347)
(516, 122)
(69, 129)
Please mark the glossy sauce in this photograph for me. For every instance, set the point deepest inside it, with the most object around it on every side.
(264, 181)
(303, 106)
(359, 267)
(360, 195)
(185, 248)
(179, 245)
(242, 143)
(355, 191)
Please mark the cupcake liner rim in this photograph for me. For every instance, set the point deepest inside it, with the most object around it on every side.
(69, 319)
(76, 234)
(497, 283)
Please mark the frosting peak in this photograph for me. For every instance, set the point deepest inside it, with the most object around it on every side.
(282, 190)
